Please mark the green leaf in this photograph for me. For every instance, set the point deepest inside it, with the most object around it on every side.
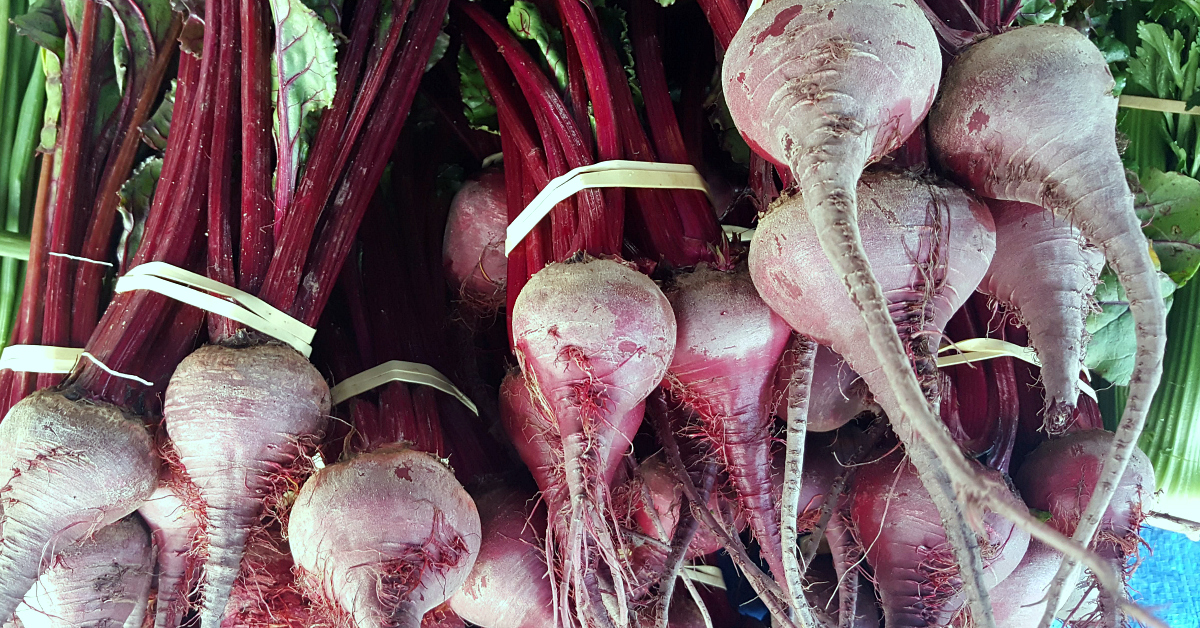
(1170, 202)
(330, 12)
(1170, 439)
(304, 78)
(74, 12)
(731, 139)
(615, 24)
(477, 101)
(1111, 350)
(155, 130)
(45, 25)
(440, 45)
(525, 21)
(136, 195)
(1037, 12)
(54, 98)
(141, 30)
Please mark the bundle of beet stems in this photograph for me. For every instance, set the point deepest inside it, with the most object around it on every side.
(233, 438)
(899, 207)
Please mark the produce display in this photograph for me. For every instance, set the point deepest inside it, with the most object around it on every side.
(595, 313)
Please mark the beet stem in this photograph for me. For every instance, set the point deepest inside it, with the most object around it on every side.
(258, 209)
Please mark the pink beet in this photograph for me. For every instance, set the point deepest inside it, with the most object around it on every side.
(175, 529)
(926, 278)
(473, 247)
(838, 394)
(67, 468)
(726, 351)
(1029, 115)
(384, 575)
(1051, 303)
(508, 587)
(100, 581)
(905, 543)
(240, 419)
(595, 338)
(1061, 475)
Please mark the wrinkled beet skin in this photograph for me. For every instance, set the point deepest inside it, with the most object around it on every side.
(66, 468)
(351, 563)
(508, 587)
(778, 74)
(979, 107)
(1060, 476)
(540, 448)
(894, 211)
(174, 528)
(98, 582)
(473, 246)
(727, 349)
(898, 525)
(596, 326)
(1052, 303)
(238, 418)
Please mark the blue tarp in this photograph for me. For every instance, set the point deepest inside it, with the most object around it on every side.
(1168, 580)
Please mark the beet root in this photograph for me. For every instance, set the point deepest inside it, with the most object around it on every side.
(1020, 599)
(1052, 303)
(838, 394)
(930, 246)
(67, 468)
(473, 247)
(594, 339)
(1028, 115)
(508, 587)
(1061, 475)
(539, 446)
(384, 576)
(905, 543)
(98, 582)
(726, 351)
(265, 593)
(241, 419)
(175, 530)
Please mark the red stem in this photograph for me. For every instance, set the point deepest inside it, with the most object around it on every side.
(699, 235)
(224, 140)
(725, 17)
(88, 277)
(577, 88)
(295, 231)
(606, 221)
(367, 165)
(171, 235)
(548, 109)
(28, 326)
(523, 159)
(258, 210)
(77, 114)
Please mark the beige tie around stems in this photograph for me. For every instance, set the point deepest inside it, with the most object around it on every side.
(617, 173)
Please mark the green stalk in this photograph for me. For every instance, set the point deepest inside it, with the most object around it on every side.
(1172, 435)
(22, 101)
